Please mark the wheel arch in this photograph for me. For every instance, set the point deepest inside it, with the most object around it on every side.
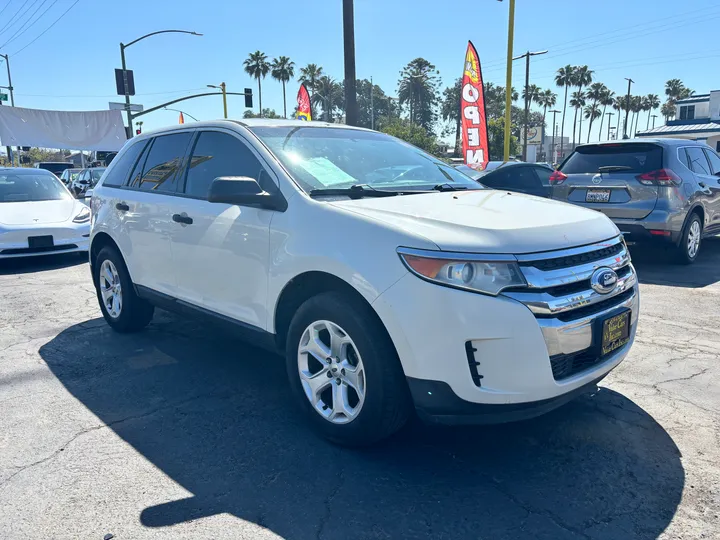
(99, 241)
(698, 209)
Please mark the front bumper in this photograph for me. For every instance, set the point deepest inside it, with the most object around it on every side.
(521, 358)
(67, 238)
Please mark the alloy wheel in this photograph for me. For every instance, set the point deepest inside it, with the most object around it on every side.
(693, 239)
(331, 372)
(110, 288)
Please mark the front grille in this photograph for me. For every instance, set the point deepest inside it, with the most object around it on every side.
(575, 260)
(567, 365)
(29, 251)
(592, 309)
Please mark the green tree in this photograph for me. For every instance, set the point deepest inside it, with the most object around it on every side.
(592, 112)
(369, 107)
(595, 94)
(652, 102)
(564, 78)
(495, 99)
(577, 101)
(583, 77)
(283, 69)
(419, 88)
(636, 106)
(413, 133)
(329, 95)
(607, 98)
(668, 110)
(496, 139)
(309, 76)
(256, 65)
(547, 98)
(266, 113)
(450, 108)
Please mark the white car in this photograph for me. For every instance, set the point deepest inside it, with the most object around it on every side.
(39, 216)
(389, 280)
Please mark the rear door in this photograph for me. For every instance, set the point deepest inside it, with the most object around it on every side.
(518, 178)
(699, 163)
(604, 177)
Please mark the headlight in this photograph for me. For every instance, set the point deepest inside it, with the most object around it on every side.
(83, 216)
(487, 274)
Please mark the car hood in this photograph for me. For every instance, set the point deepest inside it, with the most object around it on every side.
(37, 212)
(488, 221)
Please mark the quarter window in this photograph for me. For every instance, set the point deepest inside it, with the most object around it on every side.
(219, 154)
(160, 170)
(698, 161)
(714, 161)
(121, 169)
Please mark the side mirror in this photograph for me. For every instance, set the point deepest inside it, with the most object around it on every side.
(88, 194)
(244, 191)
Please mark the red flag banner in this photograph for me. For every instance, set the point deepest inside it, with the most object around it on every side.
(304, 112)
(181, 119)
(476, 152)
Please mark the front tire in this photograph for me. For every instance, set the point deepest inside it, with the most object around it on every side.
(689, 247)
(121, 307)
(344, 371)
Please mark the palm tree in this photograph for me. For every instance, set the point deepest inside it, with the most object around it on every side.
(668, 110)
(636, 106)
(534, 91)
(257, 66)
(618, 106)
(283, 70)
(653, 102)
(547, 98)
(592, 112)
(607, 98)
(594, 94)
(577, 101)
(674, 88)
(583, 77)
(418, 86)
(564, 78)
(327, 93)
(309, 76)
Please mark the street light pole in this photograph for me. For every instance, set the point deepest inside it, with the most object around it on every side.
(124, 46)
(554, 111)
(627, 109)
(508, 81)
(12, 103)
(183, 112)
(609, 115)
(224, 95)
(527, 56)
(654, 116)
(349, 47)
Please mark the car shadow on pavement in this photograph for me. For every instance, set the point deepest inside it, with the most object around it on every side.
(28, 265)
(655, 266)
(215, 415)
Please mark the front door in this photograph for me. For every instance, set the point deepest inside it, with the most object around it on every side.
(221, 251)
(700, 166)
(713, 181)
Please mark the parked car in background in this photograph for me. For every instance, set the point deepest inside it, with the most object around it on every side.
(55, 167)
(38, 215)
(87, 179)
(68, 175)
(518, 176)
(386, 277)
(653, 189)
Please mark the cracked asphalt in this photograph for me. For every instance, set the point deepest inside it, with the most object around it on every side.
(183, 431)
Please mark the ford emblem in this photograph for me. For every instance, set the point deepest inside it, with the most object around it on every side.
(604, 280)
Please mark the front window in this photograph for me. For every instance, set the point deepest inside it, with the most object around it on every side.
(325, 158)
(31, 187)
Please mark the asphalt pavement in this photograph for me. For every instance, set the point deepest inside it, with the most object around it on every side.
(182, 431)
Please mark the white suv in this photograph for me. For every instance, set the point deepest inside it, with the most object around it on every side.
(387, 278)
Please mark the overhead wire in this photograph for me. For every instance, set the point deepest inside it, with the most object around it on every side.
(12, 19)
(48, 28)
(24, 28)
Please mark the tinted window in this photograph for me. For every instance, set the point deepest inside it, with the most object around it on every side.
(121, 170)
(714, 161)
(159, 172)
(512, 178)
(544, 175)
(219, 154)
(637, 157)
(38, 186)
(698, 161)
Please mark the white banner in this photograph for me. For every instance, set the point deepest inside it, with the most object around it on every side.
(72, 130)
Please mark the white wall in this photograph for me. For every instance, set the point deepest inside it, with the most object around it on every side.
(702, 109)
(715, 105)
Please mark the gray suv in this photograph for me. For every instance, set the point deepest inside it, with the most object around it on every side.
(653, 189)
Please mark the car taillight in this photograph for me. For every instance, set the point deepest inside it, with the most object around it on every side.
(661, 177)
(557, 178)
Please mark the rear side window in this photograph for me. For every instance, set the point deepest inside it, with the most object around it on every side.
(121, 169)
(219, 154)
(633, 158)
(160, 169)
(517, 177)
(544, 175)
(698, 162)
(714, 161)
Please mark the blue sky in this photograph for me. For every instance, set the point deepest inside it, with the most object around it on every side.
(70, 67)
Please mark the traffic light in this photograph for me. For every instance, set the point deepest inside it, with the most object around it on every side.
(138, 131)
(248, 98)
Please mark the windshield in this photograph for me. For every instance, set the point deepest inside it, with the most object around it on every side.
(628, 158)
(24, 187)
(328, 158)
(56, 168)
(96, 174)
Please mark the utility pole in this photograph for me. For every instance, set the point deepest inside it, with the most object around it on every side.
(654, 116)
(9, 151)
(627, 109)
(527, 56)
(609, 115)
(508, 81)
(372, 106)
(349, 46)
(222, 88)
(552, 153)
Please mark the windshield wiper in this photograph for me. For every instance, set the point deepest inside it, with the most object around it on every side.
(448, 187)
(610, 168)
(356, 191)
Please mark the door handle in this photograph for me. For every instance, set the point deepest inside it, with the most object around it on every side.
(702, 185)
(122, 207)
(179, 218)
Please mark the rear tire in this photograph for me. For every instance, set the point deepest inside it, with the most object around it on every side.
(690, 241)
(385, 404)
(121, 307)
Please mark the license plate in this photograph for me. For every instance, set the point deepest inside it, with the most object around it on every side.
(597, 195)
(615, 332)
(40, 241)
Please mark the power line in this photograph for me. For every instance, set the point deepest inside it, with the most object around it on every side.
(12, 19)
(48, 28)
(6, 6)
(19, 32)
(112, 95)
